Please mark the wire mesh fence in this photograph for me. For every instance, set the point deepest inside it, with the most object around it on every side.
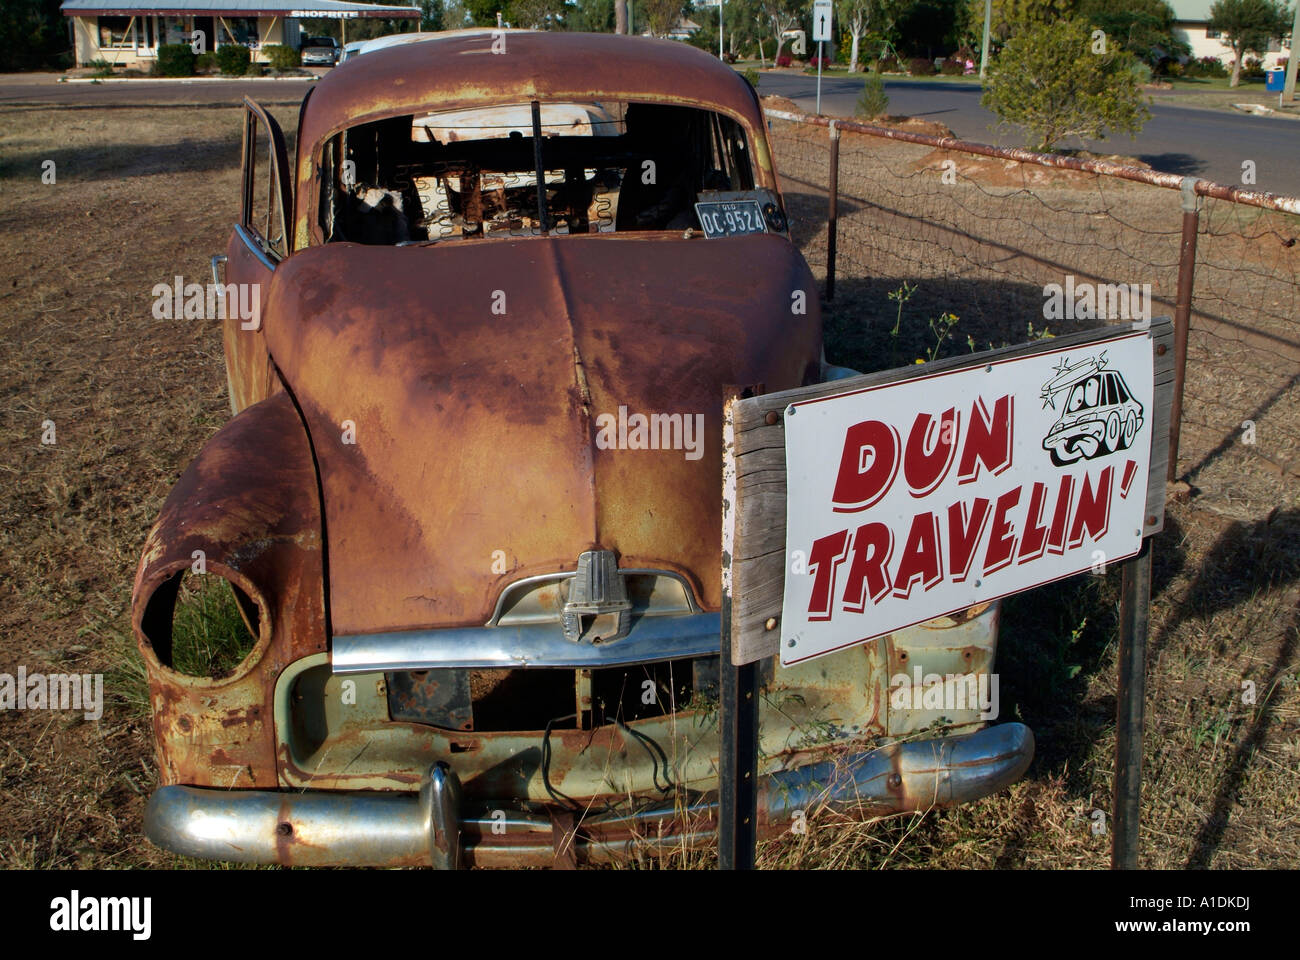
(943, 247)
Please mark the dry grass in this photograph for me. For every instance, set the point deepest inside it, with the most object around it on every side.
(144, 194)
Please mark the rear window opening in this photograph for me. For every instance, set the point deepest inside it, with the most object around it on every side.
(603, 167)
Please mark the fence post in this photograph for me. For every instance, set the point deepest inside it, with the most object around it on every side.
(1130, 708)
(1182, 314)
(738, 690)
(833, 212)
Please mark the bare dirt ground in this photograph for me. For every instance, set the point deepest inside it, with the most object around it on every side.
(146, 193)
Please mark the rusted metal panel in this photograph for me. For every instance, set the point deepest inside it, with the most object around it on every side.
(475, 433)
(249, 502)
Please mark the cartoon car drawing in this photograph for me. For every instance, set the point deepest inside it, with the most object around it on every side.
(1098, 417)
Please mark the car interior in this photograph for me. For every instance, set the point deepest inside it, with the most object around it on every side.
(605, 167)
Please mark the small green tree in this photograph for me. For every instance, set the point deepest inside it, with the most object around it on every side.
(1248, 26)
(1058, 80)
(873, 101)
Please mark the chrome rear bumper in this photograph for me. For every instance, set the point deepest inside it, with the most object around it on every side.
(330, 828)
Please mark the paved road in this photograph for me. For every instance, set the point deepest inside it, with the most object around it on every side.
(1182, 140)
(44, 88)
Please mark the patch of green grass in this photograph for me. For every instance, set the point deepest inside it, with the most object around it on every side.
(209, 635)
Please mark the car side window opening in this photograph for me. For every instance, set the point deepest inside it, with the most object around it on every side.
(606, 167)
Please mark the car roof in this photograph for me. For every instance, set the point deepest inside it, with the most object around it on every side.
(459, 69)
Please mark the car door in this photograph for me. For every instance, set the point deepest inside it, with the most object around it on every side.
(259, 242)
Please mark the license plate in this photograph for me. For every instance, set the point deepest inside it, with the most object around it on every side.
(730, 218)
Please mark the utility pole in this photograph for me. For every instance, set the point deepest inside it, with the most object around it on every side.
(620, 16)
(1288, 91)
(984, 45)
(720, 57)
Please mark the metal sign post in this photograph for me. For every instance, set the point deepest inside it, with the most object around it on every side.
(738, 692)
(1130, 708)
(821, 32)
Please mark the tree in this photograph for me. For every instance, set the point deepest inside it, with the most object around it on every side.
(854, 15)
(535, 14)
(1145, 28)
(1008, 17)
(32, 34)
(659, 16)
(1248, 26)
(432, 15)
(455, 16)
(783, 15)
(483, 13)
(930, 27)
(1049, 80)
(590, 16)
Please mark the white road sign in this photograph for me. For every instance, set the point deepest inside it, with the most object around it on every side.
(821, 20)
(920, 498)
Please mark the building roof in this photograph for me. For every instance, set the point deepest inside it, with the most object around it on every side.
(327, 9)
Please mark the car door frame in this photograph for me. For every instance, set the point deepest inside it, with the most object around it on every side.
(252, 255)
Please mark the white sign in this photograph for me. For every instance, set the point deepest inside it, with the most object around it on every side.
(821, 20)
(917, 499)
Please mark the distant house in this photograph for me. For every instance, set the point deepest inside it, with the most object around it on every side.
(1191, 19)
(129, 32)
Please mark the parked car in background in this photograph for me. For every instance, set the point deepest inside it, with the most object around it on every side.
(469, 506)
(320, 51)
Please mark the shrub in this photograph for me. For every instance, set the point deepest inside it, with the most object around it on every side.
(751, 75)
(1252, 68)
(205, 62)
(873, 101)
(952, 68)
(888, 64)
(233, 60)
(282, 58)
(728, 57)
(1208, 67)
(1213, 66)
(920, 67)
(1142, 71)
(824, 61)
(174, 60)
(784, 60)
(1048, 81)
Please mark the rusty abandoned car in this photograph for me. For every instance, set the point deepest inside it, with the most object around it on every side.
(469, 503)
